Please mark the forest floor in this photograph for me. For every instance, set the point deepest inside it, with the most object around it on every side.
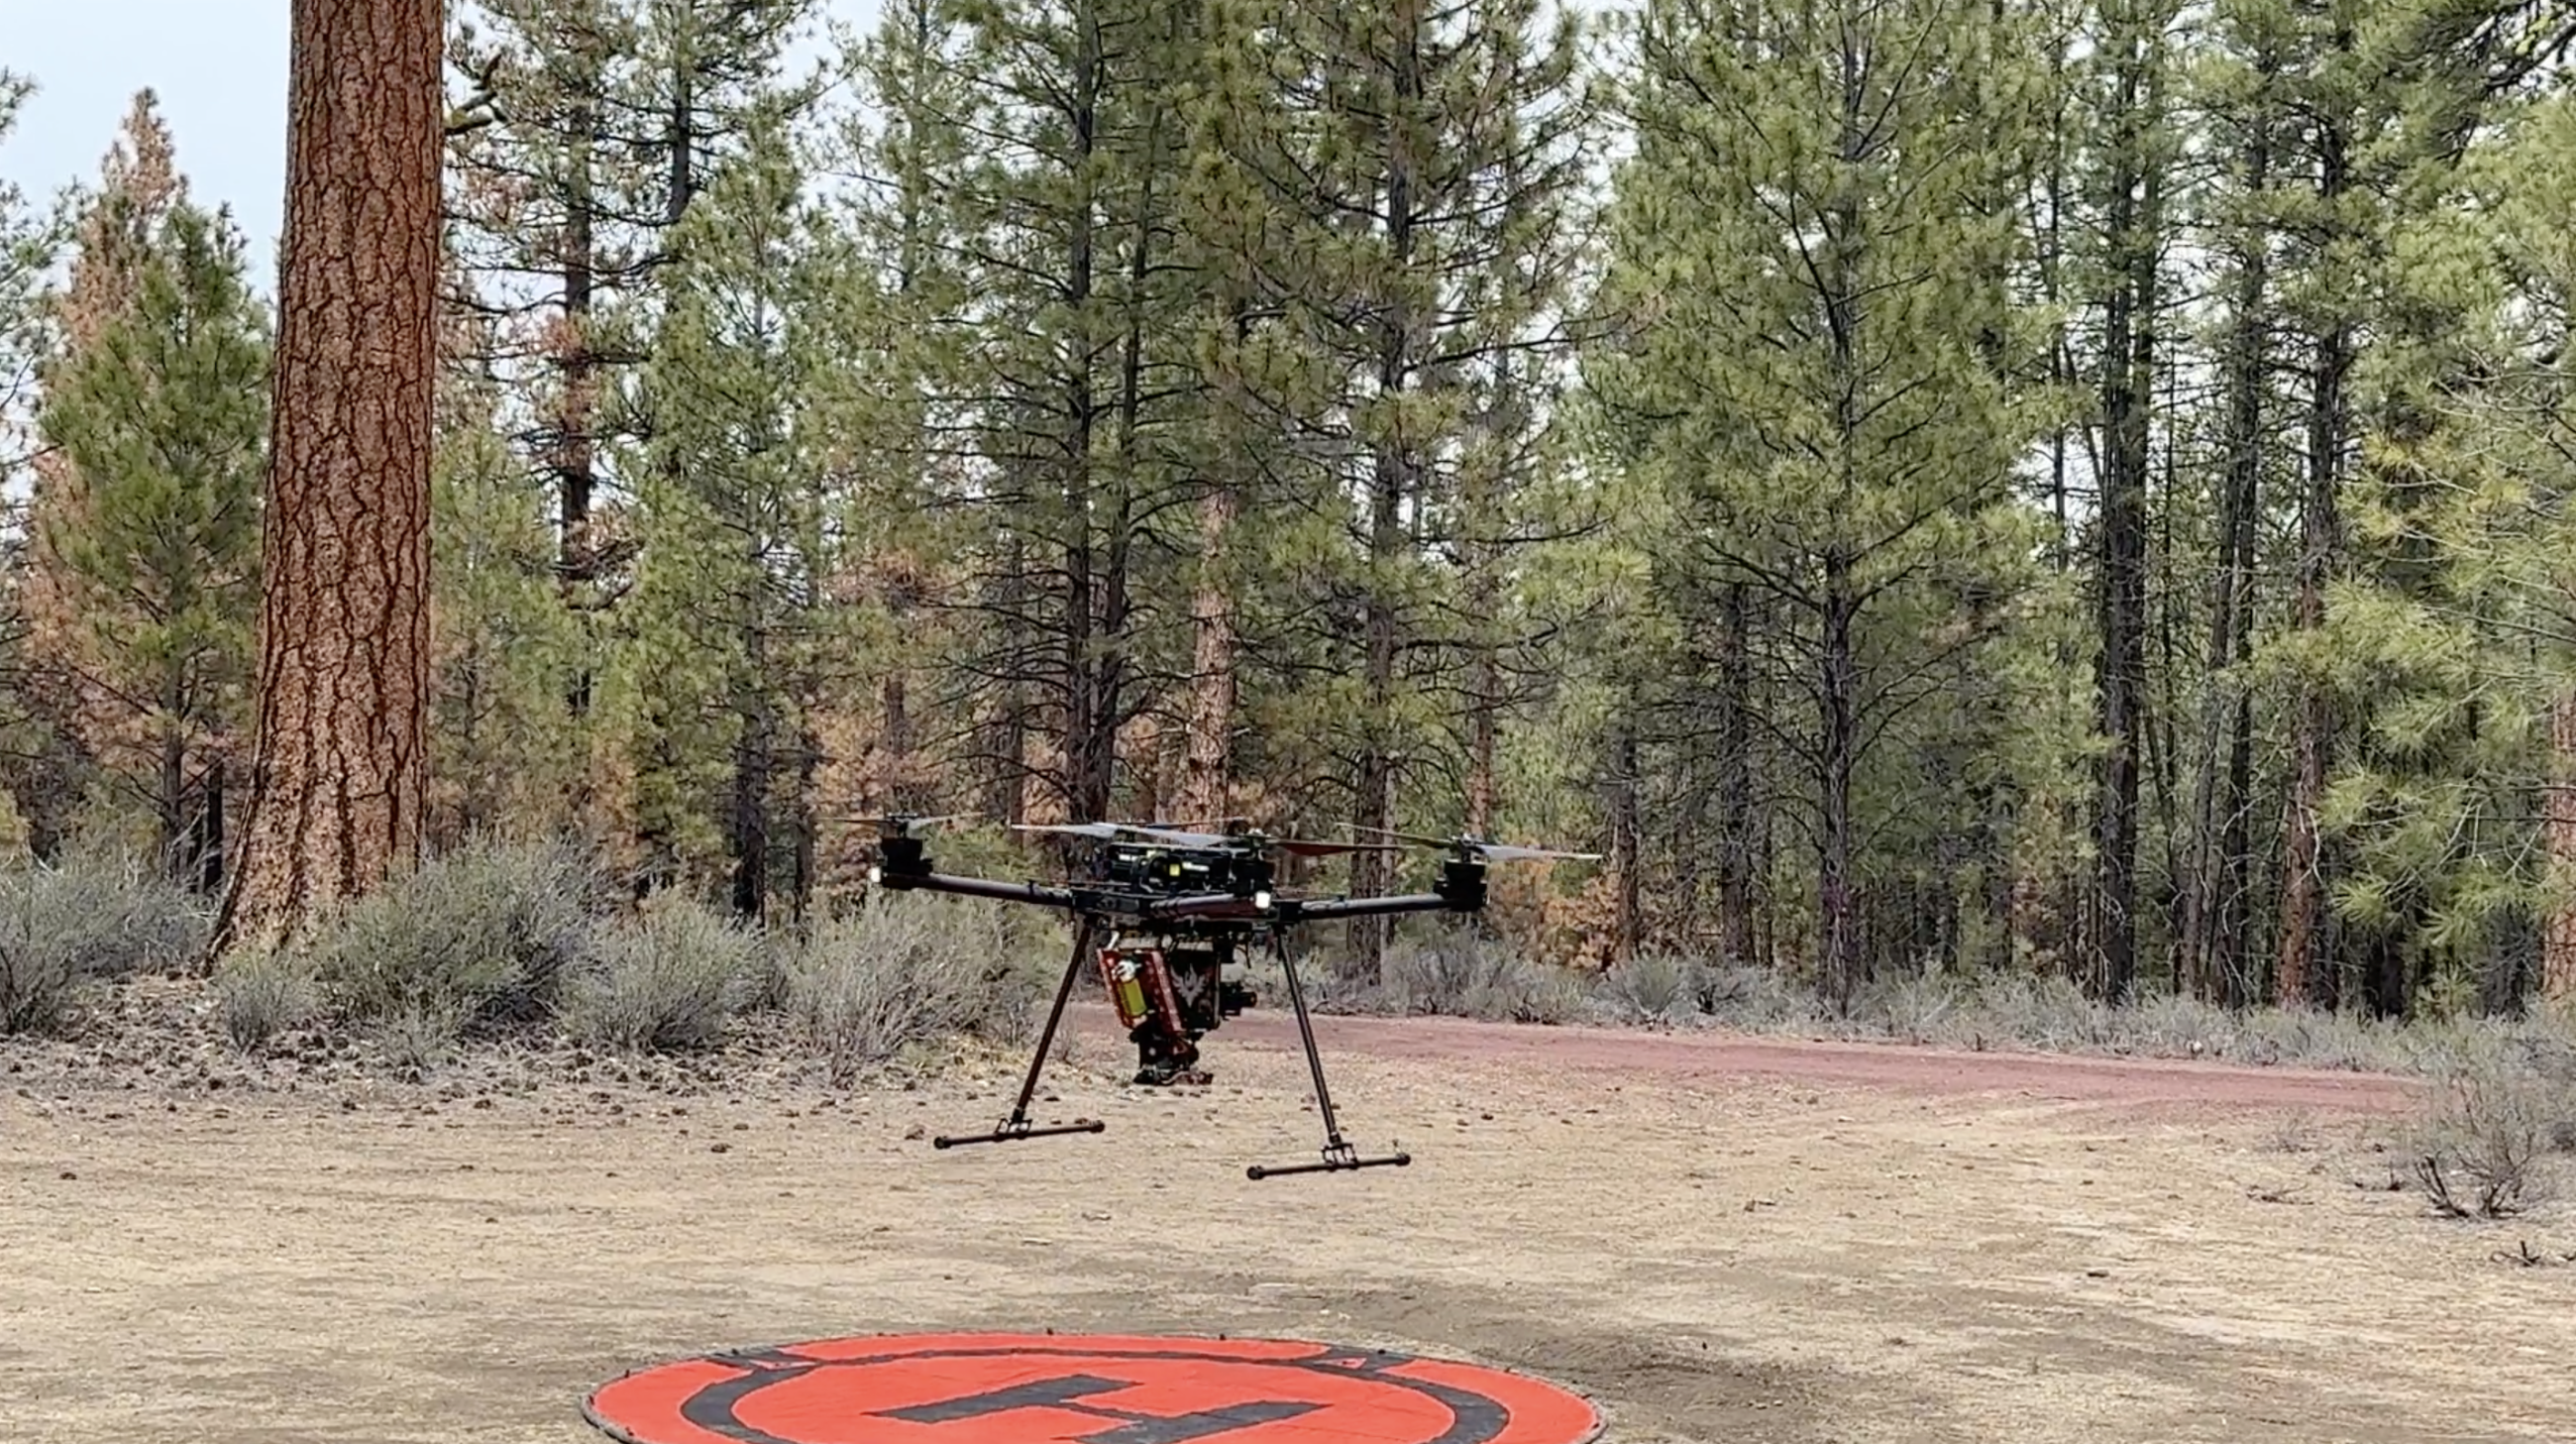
(1718, 1239)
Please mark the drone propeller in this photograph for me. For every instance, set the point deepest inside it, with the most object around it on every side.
(1098, 831)
(1466, 845)
(905, 825)
(1257, 841)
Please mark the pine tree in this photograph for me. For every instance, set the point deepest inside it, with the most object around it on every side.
(1418, 163)
(1805, 239)
(2414, 905)
(716, 693)
(501, 759)
(900, 410)
(72, 717)
(2134, 161)
(558, 226)
(2243, 89)
(1077, 377)
(26, 254)
(162, 414)
(339, 766)
(27, 249)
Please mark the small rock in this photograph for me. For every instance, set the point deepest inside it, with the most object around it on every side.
(719, 1148)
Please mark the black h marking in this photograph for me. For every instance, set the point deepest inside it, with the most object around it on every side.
(1067, 1393)
(1041, 1394)
(1186, 1428)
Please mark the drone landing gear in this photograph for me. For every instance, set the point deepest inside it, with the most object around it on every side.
(1018, 1126)
(1338, 1156)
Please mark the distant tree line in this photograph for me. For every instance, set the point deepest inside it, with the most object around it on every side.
(1962, 485)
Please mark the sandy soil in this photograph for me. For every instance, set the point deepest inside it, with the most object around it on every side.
(1718, 1240)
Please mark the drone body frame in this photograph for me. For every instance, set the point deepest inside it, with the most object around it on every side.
(1193, 889)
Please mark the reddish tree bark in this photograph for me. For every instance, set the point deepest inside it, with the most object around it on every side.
(1207, 795)
(338, 768)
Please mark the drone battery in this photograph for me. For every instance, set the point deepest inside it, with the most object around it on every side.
(1125, 977)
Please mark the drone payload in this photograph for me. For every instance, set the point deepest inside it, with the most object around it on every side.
(1178, 907)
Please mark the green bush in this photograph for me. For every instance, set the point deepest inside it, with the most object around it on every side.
(86, 921)
(905, 969)
(477, 938)
(671, 980)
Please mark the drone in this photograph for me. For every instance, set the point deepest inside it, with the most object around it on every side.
(1178, 908)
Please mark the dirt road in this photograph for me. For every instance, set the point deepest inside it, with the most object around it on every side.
(1713, 1057)
(1720, 1241)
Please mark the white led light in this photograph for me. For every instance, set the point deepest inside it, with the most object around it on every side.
(1261, 899)
(875, 875)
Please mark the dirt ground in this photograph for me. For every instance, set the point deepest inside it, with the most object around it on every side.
(1718, 1240)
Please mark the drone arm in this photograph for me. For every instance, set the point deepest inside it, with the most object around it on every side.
(1027, 892)
(1329, 909)
(1214, 904)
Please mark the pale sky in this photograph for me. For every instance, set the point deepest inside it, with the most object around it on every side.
(219, 67)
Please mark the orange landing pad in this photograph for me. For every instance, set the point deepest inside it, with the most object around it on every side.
(1082, 1389)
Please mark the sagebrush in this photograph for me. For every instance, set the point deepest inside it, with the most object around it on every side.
(671, 979)
(478, 937)
(906, 969)
(2484, 1147)
(65, 927)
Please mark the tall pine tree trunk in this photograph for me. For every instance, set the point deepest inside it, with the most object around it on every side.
(1627, 842)
(339, 751)
(2312, 726)
(1391, 481)
(754, 753)
(2211, 964)
(1085, 721)
(1839, 943)
(1736, 845)
(2128, 370)
(1206, 785)
(2558, 942)
(575, 442)
(1109, 686)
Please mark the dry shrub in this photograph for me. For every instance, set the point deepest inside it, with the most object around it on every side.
(480, 937)
(670, 980)
(2482, 1148)
(1918, 1008)
(1459, 974)
(904, 970)
(90, 920)
(264, 992)
(1753, 999)
(420, 1033)
(1655, 987)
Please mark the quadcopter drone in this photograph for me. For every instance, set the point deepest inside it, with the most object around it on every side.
(1177, 907)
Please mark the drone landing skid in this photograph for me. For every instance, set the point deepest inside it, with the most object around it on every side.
(1340, 1159)
(1019, 1128)
(1338, 1154)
